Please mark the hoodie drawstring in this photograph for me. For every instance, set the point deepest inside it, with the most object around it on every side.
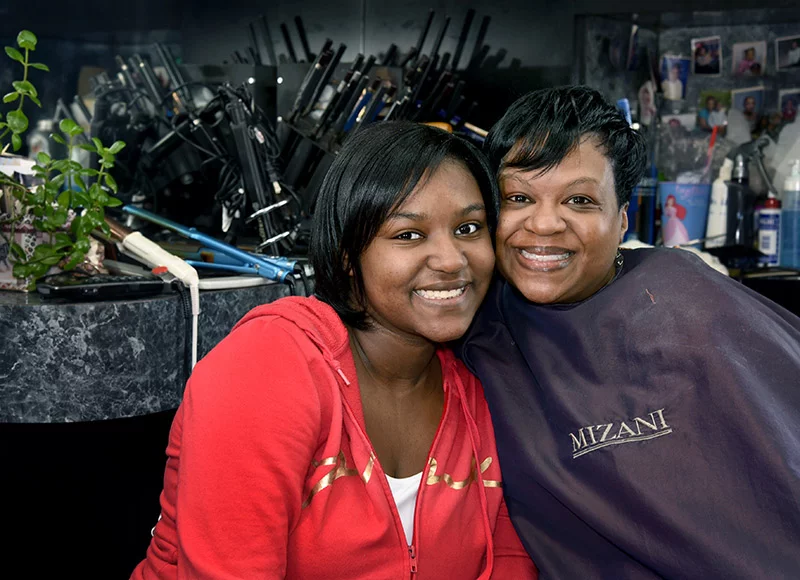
(472, 429)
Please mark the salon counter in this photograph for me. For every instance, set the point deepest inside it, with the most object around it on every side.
(91, 361)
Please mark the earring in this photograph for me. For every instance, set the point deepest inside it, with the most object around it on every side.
(618, 260)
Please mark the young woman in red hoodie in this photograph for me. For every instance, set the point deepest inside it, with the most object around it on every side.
(335, 436)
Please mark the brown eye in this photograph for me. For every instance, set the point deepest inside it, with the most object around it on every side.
(580, 200)
(408, 236)
(467, 229)
(517, 198)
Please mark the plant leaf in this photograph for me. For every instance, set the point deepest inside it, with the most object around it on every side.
(57, 138)
(79, 181)
(43, 158)
(39, 269)
(25, 88)
(60, 217)
(113, 202)
(82, 245)
(76, 225)
(62, 241)
(27, 39)
(17, 250)
(40, 66)
(42, 251)
(80, 199)
(87, 147)
(10, 97)
(75, 258)
(16, 141)
(70, 127)
(116, 147)
(111, 182)
(50, 260)
(17, 121)
(88, 171)
(22, 271)
(14, 54)
(58, 181)
(99, 145)
(35, 100)
(64, 199)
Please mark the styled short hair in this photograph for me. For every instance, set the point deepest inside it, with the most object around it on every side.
(541, 128)
(374, 173)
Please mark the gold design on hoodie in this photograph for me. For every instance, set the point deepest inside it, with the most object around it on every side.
(341, 470)
(433, 479)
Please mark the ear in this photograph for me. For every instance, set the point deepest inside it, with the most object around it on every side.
(624, 225)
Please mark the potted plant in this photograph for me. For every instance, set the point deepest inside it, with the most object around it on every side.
(48, 224)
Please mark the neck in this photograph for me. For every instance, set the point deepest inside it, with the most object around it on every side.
(392, 361)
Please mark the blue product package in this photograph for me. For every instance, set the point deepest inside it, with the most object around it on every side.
(684, 211)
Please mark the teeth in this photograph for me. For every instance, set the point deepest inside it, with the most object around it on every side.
(440, 294)
(545, 258)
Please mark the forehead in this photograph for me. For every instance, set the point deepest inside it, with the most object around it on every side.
(585, 164)
(450, 184)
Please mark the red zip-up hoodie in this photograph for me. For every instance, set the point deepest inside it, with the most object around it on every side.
(270, 473)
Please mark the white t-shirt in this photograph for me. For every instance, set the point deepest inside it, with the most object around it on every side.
(405, 491)
(673, 90)
(794, 56)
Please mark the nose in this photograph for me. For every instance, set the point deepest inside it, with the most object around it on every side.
(545, 219)
(446, 255)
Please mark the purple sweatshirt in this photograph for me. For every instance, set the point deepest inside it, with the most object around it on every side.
(650, 431)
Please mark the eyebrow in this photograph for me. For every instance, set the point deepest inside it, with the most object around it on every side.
(579, 181)
(420, 217)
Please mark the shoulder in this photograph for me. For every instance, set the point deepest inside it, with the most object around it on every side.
(264, 360)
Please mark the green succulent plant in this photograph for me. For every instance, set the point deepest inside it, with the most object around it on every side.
(63, 186)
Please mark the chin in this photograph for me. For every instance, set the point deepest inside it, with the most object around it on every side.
(540, 294)
(445, 334)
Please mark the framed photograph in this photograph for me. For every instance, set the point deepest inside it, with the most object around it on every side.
(748, 101)
(674, 74)
(707, 56)
(789, 102)
(787, 52)
(713, 109)
(749, 58)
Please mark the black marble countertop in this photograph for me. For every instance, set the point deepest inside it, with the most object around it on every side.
(89, 361)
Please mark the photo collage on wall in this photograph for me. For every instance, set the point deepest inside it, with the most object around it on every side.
(747, 109)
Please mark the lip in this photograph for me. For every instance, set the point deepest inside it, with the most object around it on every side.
(444, 286)
(544, 258)
(454, 301)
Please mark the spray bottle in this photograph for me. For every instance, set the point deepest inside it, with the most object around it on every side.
(718, 207)
(769, 230)
(790, 219)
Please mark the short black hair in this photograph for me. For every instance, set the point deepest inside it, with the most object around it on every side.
(375, 172)
(547, 125)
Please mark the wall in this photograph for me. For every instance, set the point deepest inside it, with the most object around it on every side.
(536, 33)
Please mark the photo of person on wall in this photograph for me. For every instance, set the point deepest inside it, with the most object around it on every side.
(713, 112)
(674, 74)
(789, 100)
(787, 52)
(707, 56)
(749, 58)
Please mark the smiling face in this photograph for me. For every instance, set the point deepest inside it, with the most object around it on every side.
(429, 267)
(559, 231)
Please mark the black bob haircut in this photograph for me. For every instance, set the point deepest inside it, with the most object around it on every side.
(374, 173)
(547, 125)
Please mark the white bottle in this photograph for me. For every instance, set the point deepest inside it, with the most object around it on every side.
(790, 219)
(717, 224)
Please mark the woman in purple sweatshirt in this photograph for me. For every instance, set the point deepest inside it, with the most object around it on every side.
(647, 408)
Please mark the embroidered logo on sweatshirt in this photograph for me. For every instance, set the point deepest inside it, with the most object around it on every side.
(593, 437)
